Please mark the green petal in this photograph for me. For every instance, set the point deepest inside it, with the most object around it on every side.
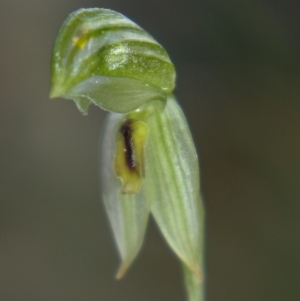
(128, 213)
(176, 204)
(102, 57)
(116, 94)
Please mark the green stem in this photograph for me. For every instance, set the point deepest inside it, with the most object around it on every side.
(194, 288)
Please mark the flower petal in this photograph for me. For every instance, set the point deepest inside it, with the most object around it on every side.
(96, 55)
(128, 213)
(115, 94)
(176, 204)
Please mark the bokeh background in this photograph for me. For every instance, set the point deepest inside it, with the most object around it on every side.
(238, 82)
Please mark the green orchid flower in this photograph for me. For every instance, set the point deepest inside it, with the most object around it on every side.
(149, 162)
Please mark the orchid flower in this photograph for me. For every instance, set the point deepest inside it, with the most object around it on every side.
(149, 161)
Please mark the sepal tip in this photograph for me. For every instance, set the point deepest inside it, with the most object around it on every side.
(122, 270)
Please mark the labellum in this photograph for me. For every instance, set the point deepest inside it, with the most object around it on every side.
(149, 162)
(129, 159)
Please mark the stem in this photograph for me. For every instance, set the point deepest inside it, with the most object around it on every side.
(194, 288)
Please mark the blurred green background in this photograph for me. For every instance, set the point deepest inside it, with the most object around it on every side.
(238, 82)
